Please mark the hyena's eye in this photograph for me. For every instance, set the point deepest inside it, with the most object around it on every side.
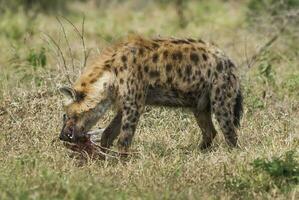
(64, 117)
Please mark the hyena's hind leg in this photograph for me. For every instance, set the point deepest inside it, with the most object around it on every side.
(227, 107)
(204, 121)
(203, 117)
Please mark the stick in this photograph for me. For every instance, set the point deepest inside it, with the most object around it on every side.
(68, 44)
(81, 36)
(60, 53)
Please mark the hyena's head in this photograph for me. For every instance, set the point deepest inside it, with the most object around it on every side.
(84, 104)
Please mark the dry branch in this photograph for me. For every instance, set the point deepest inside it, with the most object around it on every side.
(68, 44)
(60, 54)
(81, 36)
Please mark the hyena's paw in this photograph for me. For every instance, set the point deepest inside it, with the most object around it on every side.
(232, 140)
(123, 145)
(205, 145)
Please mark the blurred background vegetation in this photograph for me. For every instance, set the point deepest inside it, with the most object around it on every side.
(171, 166)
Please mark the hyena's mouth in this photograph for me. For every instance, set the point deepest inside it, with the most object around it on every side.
(88, 144)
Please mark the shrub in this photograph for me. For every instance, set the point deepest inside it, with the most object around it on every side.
(267, 174)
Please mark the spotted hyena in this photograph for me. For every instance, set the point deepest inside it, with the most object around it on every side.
(165, 72)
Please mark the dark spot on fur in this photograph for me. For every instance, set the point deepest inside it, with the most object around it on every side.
(155, 57)
(177, 56)
(169, 80)
(191, 40)
(83, 84)
(216, 75)
(80, 96)
(121, 81)
(209, 72)
(219, 67)
(205, 57)
(168, 67)
(165, 54)
(107, 67)
(145, 68)
(141, 51)
(90, 75)
(217, 91)
(124, 58)
(179, 71)
(225, 114)
(125, 126)
(139, 68)
(194, 58)
(222, 103)
(92, 81)
(198, 72)
(154, 74)
(139, 96)
(115, 71)
(156, 45)
(188, 70)
(227, 123)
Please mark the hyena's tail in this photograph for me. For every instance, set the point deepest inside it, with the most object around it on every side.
(238, 108)
(227, 100)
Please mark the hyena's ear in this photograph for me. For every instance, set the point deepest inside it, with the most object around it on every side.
(68, 92)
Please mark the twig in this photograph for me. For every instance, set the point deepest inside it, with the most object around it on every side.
(116, 152)
(81, 35)
(68, 44)
(60, 53)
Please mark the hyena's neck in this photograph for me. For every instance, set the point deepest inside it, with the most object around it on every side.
(95, 86)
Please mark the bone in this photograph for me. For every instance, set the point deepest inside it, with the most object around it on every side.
(96, 131)
(95, 135)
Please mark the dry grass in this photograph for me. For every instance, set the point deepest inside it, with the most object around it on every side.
(35, 165)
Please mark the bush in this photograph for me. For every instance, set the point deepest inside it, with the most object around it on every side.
(267, 174)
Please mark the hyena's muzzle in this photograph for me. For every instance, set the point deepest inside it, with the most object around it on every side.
(71, 133)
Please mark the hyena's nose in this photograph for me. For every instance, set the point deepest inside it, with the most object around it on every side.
(66, 136)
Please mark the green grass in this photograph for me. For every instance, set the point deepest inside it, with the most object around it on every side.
(35, 165)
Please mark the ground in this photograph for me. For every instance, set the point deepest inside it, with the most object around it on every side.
(169, 164)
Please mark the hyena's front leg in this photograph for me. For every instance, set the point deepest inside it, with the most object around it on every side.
(130, 117)
(112, 131)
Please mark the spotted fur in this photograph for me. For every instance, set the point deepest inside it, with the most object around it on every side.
(166, 72)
